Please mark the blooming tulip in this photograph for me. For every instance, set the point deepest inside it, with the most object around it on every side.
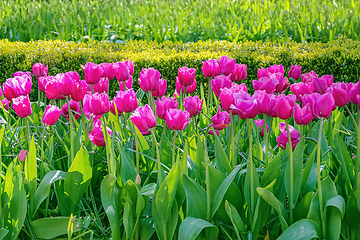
(130, 65)
(303, 116)
(22, 155)
(221, 119)
(93, 73)
(65, 83)
(149, 79)
(127, 100)
(122, 71)
(143, 118)
(266, 84)
(5, 103)
(300, 89)
(283, 82)
(181, 88)
(1, 92)
(42, 83)
(51, 88)
(97, 104)
(323, 105)
(177, 119)
(277, 69)
(219, 83)
(79, 90)
(21, 73)
(17, 86)
(295, 72)
(339, 93)
(308, 77)
(226, 96)
(22, 106)
(112, 106)
(239, 73)
(210, 68)
(323, 83)
(164, 104)
(128, 84)
(284, 106)
(186, 76)
(51, 115)
(265, 102)
(260, 123)
(161, 90)
(109, 70)
(354, 93)
(96, 134)
(226, 65)
(263, 72)
(211, 132)
(283, 139)
(102, 86)
(193, 105)
(74, 75)
(39, 70)
(74, 106)
(246, 106)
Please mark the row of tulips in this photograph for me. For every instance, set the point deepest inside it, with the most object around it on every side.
(214, 176)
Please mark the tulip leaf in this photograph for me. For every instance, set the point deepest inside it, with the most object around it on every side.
(302, 209)
(235, 218)
(191, 227)
(148, 189)
(127, 169)
(221, 159)
(272, 171)
(31, 168)
(3, 233)
(251, 183)
(200, 157)
(165, 150)
(334, 212)
(302, 230)
(195, 198)
(146, 228)
(307, 184)
(352, 213)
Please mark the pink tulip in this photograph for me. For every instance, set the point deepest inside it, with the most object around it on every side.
(74, 107)
(127, 100)
(130, 65)
(265, 102)
(300, 89)
(220, 120)
(246, 106)
(96, 134)
(339, 93)
(283, 139)
(354, 93)
(112, 106)
(219, 83)
(79, 90)
(323, 83)
(102, 86)
(1, 92)
(181, 88)
(74, 75)
(263, 72)
(277, 69)
(22, 155)
(210, 68)
(51, 88)
(109, 70)
(42, 81)
(21, 73)
(303, 116)
(39, 70)
(295, 72)
(93, 73)
(308, 77)
(128, 84)
(17, 86)
(51, 115)
(323, 105)
(226, 65)
(143, 118)
(193, 105)
(283, 82)
(5, 103)
(161, 90)
(226, 96)
(186, 76)
(239, 73)
(65, 83)
(22, 106)
(97, 104)
(211, 132)
(177, 119)
(164, 104)
(122, 71)
(260, 123)
(266, 84)
(149, 79)
(284, 106)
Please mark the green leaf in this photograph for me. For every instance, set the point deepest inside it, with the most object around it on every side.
(221, 159)
(146, 228)
(334, 212)
(128, 169)
(272, 171)
(235, 218)
(302, 230)
(165, 150)
(49, 228)
(200, 157)
(148, 189)
(302, 209)
(3, 232)
(307, 184)
(195, 198)
(190, 228)
(31, 168)
(249, 188)
(128, 218)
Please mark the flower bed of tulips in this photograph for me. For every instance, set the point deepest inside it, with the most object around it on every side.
(152, 164)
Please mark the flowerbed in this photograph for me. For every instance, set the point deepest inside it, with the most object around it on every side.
(280, 163)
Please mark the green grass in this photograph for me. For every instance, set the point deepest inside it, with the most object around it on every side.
(185, 20)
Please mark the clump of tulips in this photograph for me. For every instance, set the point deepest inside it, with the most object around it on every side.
(192, 140)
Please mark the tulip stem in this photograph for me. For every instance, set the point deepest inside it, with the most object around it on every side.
(301, 131)
(28, 131)
(210, 96)
(125, 130)
(157, 155)
(137, 149)
(92, 89)
(105, 133)
(318, 171)
(266, 141)
(173, 151)
(83, 122)
(207, 179)
(232, 141)
(291, 197)
(352, 118)
(71, 132)
(164, 126)
(252, 194)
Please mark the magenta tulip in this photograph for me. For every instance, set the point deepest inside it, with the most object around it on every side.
(42, 81)
(17, 86)
(221, 119)
(177, 119)
(284, 106)
(210, 68)
(323, 83)
(300, 89)
(74, 107)
(51, 115)
(226, 96)
(260, 123)
(5, 103)
(219, 83)
(79, 90)
(277, 69)
(97, 104)
(116, 102)
(161, 90)
(1, 92)
(303, 116)
(128, 84)
(149, 79)
(339, 93)
(263, 72)
(143, 118)
(283, 82)
(265, 102)
(354, 93)
(239, 73)
(186, 76)
(22, 155)
(65, 83)
(246, 106)
(22, 106)
(127, 100)
(295, 72)
(122, 71)
(266, 84)
(211, 132)
(39, 70)
(226, 65)
(21, 73)
(283, 139)
(181, 88)
(96, 134)
(102, 86)
(130, 65)
(109, 70)
(51, 88)
(74, 75)
(323, 106)
(308, 77)
(93, 73)
(164, 104)
(193, 105)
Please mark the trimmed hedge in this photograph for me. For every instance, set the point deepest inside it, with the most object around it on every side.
(340, 58)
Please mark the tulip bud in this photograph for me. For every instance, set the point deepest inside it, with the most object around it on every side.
(283, 139)
(323, 105)
(220, 120)
(186, 76)
(219, 83)
(96, 134)
(65, 84)
(308, 77)
(109, 70)
(149, 79)
(226, 65)
(164, 104)
(22, 155)
(127, 100)
(239, 73)
(210, 68)
(181, 88)
(39, 70)
(97, 104)
(102, 86)
(79, 90)
(161, 90)
(74, 106)
(122, 71)
(303, 116)
(93, 73)
(138, 179)
(295, 72)
(143, 118)
(193, 105)
(22, 106)
(51, 115)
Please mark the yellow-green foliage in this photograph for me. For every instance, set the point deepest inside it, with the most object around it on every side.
(339, 58)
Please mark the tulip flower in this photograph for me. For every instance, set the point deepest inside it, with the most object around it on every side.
(149, 79)
(21, 73)
(239, 73)
(161, 90)
(102, 86)
(260, 123)
(74, 75)
(22, 155)
(295, 72)
(266, 84)
(5, 103)
(186, 76)
(130, 65)
(303, 116)
(51, 88)
(74, 106)
(211, 132)
(177, 119)
(354, 93)
(22, 106)
(226, 65)
(283, 82)
(93, 73)
(246, 106)
(51, 115)
(79, 90)
(1, 92)
(308, 77)
(181, 88)
(323, 105)
(284, 106)
(219, 83)
(221, 119)
(42, 81)
(263, 72)
(339, 92)
(97, 104)
(122, 71)
(109, 70)
(323, 83)
(112, 106)
(277, 69)
(39, 70)
(210, 68)
(300, 89)
(65, 83)
(128, 84)
(127, 100)
(17, 86)
(164, 104)
(193, 105)
(265, 102)
(96, 134)
(143, 118)
(226, 96)
(282, 139)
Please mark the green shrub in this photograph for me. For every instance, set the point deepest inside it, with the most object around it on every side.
(340, 58)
